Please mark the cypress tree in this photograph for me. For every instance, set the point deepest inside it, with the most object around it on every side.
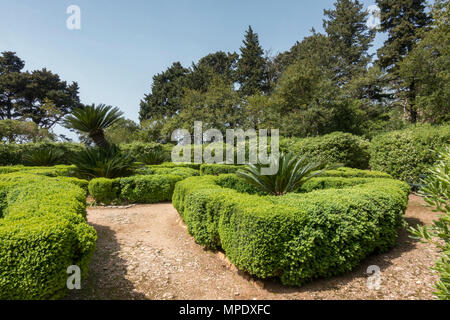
(251, 65)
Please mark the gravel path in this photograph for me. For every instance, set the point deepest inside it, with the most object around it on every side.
(145, 252)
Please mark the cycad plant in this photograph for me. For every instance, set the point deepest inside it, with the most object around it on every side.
(107, 162)
(42, 157)
(154, 157)
(93, 120)
(292, 173)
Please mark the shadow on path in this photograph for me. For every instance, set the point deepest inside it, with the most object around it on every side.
(106, 276)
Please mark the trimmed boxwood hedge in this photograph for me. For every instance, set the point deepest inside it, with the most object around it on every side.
(406, 154)
(153, 184)
(12, 154)
(338, 147)
(216, 169)
(299, 236)
(43, 231)
(55, 171)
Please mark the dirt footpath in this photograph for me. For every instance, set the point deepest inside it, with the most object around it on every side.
(145, 252)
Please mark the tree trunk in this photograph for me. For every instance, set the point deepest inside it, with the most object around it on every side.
(99, 139)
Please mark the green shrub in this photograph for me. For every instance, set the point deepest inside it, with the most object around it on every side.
(43, 231)
(299, 236)
(216, 169)
(179, 171)
(405, 154)
(344, 148)
(140, 150)
(436, 193)
(148, 189)
(195, 166)
(83, 184)
(43, 157)
(104, 162)
(13, 154)
(55, 171)
(105, 190)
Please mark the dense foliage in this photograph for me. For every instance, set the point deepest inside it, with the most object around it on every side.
(299, 236)
(343, 148)
(436, 193)
(291, 174)
(109, 162)
(152, 184)
(43, 231)
(406, 154)
(326, 82)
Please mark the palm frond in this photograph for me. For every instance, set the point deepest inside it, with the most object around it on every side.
(292, 173)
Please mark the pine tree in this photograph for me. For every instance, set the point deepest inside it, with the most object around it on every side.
(402, 20)
(251, 65)
(350, 37)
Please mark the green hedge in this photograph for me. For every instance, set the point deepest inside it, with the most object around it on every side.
(148, 189)
(140, 149)
(344, 148)
(153, 184)
(12, 154)
(216, 169)
(105, 190)
(184, 172)
(406, 154)
(55, 171)
(43, 231)
(299, 236)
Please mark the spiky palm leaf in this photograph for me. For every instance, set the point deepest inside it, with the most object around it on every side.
(292, 173)
(107, 162)
(93, 120)
(154, 157)
(42, 157)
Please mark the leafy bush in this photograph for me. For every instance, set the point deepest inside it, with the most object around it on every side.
(148, 189)
(45, 157)
(154, 157)
(140, 150)
(195, 166)
(436, 193)
(343, 148)
(216, 169)
(183, 172)
(43, 231)
(299, 236)
(105, 190)
(13, 154)
(105, 162)
(155, 184)
(292, 173)
(405, 154)
(55, 171)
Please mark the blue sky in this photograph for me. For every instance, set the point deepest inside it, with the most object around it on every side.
(122, 44)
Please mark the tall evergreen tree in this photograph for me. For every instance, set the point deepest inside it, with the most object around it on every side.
(166, 95)
(215, 64)
(251, 65)
(404, 21)
(347, 30)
